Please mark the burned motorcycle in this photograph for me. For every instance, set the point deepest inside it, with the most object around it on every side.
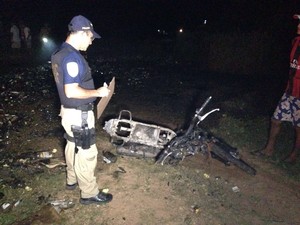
(144, 140)
(197, 140)
(137, 139)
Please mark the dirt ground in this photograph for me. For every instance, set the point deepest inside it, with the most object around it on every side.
(198, 191)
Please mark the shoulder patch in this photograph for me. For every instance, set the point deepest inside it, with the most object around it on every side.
(73, 69)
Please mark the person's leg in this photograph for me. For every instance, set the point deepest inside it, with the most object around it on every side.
(293, 155)
(70, 159)
(273, 133)
(70, 146)
(281, 113)
(85, 165)
(295, 109)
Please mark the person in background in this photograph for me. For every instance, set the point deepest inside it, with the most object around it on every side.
(15, 38)
(25, 36)
(288, 108)
(77, 95)
(45, 31)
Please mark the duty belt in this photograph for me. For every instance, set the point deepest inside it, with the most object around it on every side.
(86, 107)
(83, 136)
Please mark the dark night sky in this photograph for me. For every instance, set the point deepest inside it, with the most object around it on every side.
(115, 17)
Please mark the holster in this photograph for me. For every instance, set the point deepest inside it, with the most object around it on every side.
(83, 137)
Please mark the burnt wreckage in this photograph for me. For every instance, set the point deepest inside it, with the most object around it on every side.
(138, 139)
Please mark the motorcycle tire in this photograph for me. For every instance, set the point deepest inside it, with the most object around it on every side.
(216, 148)
(117, 141)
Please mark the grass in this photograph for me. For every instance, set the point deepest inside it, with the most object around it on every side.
(251, 135)
(40, 185)
(243, 133)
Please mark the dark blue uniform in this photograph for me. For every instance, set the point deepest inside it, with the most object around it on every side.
(61, 60)
(69, 67)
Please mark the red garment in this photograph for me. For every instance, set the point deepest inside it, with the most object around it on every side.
(293, 86)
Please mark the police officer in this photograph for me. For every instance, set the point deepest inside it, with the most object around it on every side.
(77, 93)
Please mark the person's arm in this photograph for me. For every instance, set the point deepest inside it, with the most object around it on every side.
(75, 91)
(72, 79)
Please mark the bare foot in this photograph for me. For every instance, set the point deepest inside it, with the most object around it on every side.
(292, 158)
(263, 152)
(267, 151)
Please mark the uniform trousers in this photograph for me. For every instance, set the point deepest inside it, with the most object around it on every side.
(81, 165)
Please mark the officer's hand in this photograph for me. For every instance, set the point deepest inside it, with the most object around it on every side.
(103, 91)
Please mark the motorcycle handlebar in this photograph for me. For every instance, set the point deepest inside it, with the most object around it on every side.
(199, 110)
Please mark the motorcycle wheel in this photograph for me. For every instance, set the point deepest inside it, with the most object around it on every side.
(225, 155)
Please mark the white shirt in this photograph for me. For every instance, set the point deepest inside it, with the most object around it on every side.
(14, 30)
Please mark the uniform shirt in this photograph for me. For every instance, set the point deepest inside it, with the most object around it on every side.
(69, 67)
